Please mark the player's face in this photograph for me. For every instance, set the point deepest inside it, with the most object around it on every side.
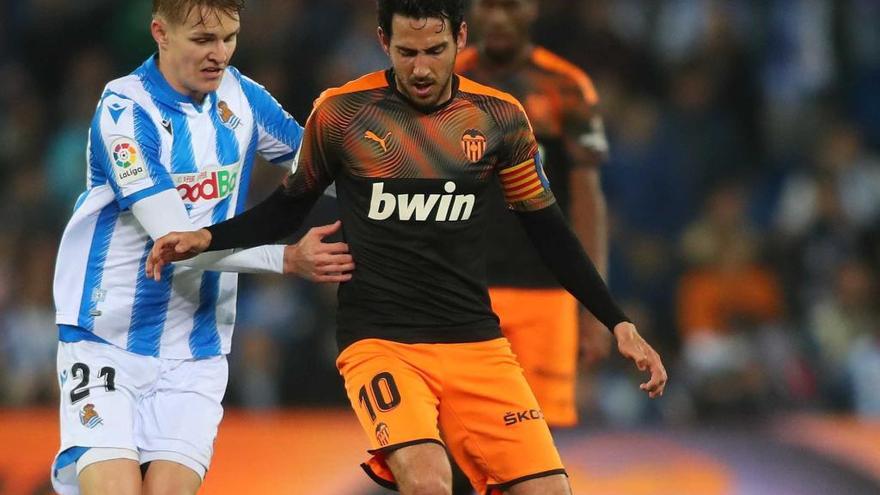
(422, 53)
(194, 54)
(504, 25)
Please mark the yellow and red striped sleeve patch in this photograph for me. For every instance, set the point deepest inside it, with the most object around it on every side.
(521, 182)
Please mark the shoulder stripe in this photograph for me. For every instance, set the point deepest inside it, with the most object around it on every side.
(468, 86)
(550, 61)
(374, 80)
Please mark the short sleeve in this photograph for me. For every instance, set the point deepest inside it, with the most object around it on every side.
(521, 170)
(278, 133)
(314, 166)
(124, 149)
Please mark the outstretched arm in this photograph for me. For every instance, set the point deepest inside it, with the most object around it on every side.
(276, 217)
(311, 258)
(563, 254)
(164, 212)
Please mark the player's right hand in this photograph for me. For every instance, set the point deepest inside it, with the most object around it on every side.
(175, 246)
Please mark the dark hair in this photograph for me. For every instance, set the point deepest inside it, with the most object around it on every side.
(177, 11)
(451, 10)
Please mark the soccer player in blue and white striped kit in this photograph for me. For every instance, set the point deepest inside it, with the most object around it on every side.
(142, 364)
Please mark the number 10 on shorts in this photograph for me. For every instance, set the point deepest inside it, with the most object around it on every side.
(382, 394)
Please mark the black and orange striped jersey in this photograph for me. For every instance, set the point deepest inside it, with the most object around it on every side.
(561, 103)
(412, 192)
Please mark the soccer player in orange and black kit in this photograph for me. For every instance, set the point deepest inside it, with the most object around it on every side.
(412, 151)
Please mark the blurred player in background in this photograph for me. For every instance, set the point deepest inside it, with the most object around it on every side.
(412, 151)
(538, 316)
(142, 364)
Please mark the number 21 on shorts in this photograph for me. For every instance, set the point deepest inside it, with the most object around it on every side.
(80, 371)
(382, 395)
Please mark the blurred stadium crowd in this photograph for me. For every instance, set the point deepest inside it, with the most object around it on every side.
(743, 190)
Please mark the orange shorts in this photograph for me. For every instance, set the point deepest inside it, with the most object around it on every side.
(542, 327)
(470, 397)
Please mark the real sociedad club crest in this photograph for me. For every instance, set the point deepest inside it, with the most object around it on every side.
(89, 417)
(473, 143)
(227, 116)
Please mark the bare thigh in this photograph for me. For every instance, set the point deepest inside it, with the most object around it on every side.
(112, 477)
(170, 478)
(556, 484)
(422, 468)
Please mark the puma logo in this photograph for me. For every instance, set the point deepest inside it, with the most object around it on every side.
(382, 141)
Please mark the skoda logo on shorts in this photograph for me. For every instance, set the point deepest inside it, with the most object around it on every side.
(382, 434)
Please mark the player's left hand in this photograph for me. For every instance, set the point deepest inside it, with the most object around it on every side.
(632, 346)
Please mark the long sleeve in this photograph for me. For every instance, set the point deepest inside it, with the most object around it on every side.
(274, 218)
(261, 259)
(164, 212)
(563, 254)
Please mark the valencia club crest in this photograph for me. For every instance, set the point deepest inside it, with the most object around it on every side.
(473, 144)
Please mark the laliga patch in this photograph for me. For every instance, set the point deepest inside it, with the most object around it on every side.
(128, 162)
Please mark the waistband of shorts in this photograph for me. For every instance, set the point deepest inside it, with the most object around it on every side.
(461, 335)
(369, 343)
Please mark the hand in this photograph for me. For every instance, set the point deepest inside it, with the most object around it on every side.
(318, 261)
(594, 340)
(631, 345)
(175, 246)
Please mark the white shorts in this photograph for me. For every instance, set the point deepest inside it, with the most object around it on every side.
(157, 409)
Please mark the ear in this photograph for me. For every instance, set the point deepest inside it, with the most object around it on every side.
(159, 30)
(384, 41)
(461, 42)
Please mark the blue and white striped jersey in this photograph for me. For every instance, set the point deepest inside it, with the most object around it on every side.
(146, 138)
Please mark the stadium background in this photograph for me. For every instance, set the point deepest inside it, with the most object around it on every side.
(744, 198)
